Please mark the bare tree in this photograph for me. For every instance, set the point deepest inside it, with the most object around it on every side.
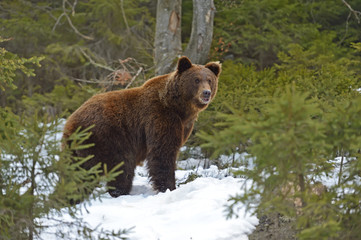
(168, 45)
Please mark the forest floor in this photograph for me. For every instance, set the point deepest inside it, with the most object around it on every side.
(274, 227)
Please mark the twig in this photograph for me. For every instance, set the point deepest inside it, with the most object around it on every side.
(341, 166)
(134, 77)
(76, 30)
(124, 17)
(112, 77)
(73, 7)
(57, 21)
(88, 81)
(94, 63)
(355, 13)
(346, 31)
(69, 20)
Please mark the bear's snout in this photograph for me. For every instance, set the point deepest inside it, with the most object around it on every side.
(207, 93)
(205, 97)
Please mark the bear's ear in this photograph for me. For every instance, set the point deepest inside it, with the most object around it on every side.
(215, 67)
(183, 64)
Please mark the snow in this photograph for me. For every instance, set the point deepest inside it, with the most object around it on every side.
(195, 210)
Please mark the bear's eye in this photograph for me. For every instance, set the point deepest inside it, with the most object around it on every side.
(209, 81)
(196, 80)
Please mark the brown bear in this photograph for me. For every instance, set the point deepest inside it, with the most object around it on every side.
(150, 122)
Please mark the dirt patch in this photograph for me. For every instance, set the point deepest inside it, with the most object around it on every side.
(274, 226)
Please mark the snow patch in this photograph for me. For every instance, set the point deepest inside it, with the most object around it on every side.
(196, 210)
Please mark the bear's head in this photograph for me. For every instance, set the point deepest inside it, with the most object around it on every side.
(196, 84)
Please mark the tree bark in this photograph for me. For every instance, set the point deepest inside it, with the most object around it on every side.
(168, 45)
(202, 31)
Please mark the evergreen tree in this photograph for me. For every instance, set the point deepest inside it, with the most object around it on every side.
(37, 178)
(299, 127)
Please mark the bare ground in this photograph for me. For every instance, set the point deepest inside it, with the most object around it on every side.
(274, 226)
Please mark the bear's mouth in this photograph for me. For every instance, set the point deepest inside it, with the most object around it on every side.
(205, 100)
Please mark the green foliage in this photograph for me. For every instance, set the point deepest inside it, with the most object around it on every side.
(10, 63)
(63, 97)
(245, 90)
(38, 179)
(291, 144)
(287, 144)
(265, 28)
(289, 42)
(327, 76)
(293, 120)
(240, 87)
(82, 42)
(336, 214)
(254, 32)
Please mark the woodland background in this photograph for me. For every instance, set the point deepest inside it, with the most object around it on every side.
(289, 96)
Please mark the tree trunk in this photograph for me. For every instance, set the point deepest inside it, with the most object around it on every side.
(168, 45)
(202, 31)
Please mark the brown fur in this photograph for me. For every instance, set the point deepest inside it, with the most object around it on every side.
(149, 122)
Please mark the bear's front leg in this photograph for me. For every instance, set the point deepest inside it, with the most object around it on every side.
(162, 170)
(163, 144)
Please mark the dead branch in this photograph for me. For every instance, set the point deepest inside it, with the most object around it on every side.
(356, 13)
(57, 21)
(124, 17)
(125, 74)
(134, 77)
(73, 7)
(94, 81)
(65, 14)
(95, 63)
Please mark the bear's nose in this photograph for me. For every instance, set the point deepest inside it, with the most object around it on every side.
(206, 93)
